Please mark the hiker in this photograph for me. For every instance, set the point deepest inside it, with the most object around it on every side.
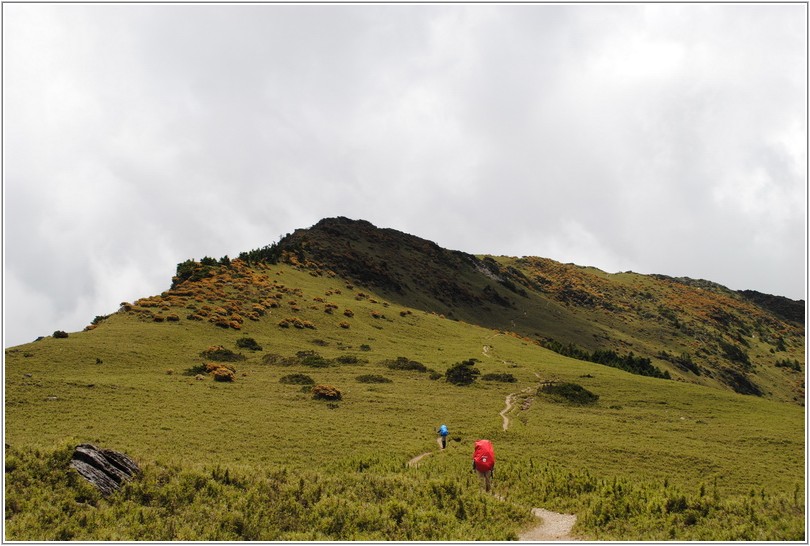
(484, 461)
(443, 432)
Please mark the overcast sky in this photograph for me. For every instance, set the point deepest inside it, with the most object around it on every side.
(661, 138)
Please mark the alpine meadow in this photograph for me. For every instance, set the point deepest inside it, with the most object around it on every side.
(293, 393)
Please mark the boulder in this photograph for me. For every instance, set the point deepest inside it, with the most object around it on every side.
(104, 468)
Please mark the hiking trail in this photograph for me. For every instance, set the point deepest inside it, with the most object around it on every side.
(553, 526)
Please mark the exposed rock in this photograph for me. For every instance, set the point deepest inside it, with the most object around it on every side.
(104, 468)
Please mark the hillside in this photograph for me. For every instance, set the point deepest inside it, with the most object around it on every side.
(696, 331)
(281, 395)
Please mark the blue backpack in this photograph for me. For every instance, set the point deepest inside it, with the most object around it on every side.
(443, 430)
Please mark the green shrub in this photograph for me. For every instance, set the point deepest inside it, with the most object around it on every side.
(248, 343)
(60, 334)
(403, 363)
(297, 379)
(499, 377)
(462, 373)
(568, 392)
(372, 378)
(221, 354)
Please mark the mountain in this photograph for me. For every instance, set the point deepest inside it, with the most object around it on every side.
(693, 330)
(293, 394)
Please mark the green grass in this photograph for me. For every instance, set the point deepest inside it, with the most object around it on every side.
(660, 441)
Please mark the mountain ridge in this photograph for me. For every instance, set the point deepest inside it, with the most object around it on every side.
(709, 334)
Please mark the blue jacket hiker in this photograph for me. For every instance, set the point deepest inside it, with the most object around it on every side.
(443, 432)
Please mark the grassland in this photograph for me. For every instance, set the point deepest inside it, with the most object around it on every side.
(260, 459)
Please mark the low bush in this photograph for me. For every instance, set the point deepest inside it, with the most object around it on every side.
(326, 392)
(248, 343)
(568, 392)
(462, 373)
(499, 377)
(60, 334)
(223, 374)
(221, 354)
(403, 363)
(371, 378)
(297, 379)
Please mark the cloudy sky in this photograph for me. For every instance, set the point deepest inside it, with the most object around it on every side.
(660, 138)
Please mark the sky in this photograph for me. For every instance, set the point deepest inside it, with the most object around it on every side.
(656, 138)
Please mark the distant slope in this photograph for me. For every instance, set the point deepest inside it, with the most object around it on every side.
(697, 331)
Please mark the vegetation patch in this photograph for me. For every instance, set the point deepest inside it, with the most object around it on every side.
(569, 393)
(297, 379)
(462, 373)
(248, 343)
(629, 363)
(326, 392)
(372, 378)
(499, 377)
(221, 354)
(404, 363)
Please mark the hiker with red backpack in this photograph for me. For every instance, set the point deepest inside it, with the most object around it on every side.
(484, 461)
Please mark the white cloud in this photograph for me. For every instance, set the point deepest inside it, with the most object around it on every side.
(663, 138)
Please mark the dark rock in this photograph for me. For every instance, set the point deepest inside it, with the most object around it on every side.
(104, 468)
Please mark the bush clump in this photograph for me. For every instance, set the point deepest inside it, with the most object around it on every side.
(312, 359)
(248, 343)
(326, 392)
(568, 392)
(372, 378)
(60, 334)
(499, 377)
(462, 373)
(223, 374)
(221, 354)
(297, 379)
(403, 363)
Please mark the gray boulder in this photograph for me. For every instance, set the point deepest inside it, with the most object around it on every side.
(104, 468)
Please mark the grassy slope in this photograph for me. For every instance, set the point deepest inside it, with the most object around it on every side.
(642, 430)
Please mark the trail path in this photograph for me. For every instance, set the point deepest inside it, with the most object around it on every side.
(509, 402)
(553, 526)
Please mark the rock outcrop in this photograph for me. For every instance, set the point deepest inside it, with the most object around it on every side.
(104, 468)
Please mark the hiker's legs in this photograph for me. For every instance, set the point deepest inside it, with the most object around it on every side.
(488, 479)
(444, 442)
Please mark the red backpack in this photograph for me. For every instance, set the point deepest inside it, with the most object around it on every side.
(483, 456)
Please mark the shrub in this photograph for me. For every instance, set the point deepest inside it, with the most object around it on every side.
(223, 374)
(371, 378)
(568, 392)
(60, 334)
(345, 325)
(403, 363)
(297, 379)
(211, 367)
(312, 359)
(221, 354)
(499, 377)
(462, 373)
(348, 312)
(326, 392)
(349, 359)
(377, 315)
(172, 318)
(365, 347)
(248, 343)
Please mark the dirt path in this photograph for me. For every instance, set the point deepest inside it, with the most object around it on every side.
(415, 460)
(554, 526)
(509, 402)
